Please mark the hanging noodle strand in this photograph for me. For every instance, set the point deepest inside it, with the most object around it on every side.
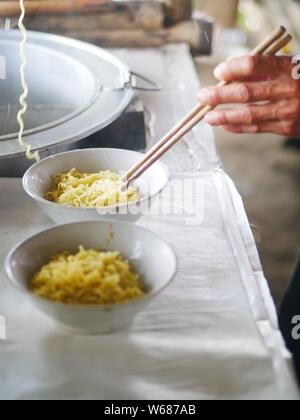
(24, 95)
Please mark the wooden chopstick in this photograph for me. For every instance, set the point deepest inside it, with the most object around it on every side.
(281, 43)
(271, 45)
(269, 41)
(265, 45)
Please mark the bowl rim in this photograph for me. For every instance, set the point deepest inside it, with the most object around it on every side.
(42, 200)
(148, 296)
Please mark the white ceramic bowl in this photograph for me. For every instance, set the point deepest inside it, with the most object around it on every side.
(150, 256)
(37, 181)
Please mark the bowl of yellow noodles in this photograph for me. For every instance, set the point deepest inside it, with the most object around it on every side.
(92, 277)
(84, 185)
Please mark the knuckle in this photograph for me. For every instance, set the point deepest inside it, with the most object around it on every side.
(244, 93)
(224, 118)
(248, 116)
(277, 113)
(217, 96)
(214, 97)
(251, 63)
(268, 89)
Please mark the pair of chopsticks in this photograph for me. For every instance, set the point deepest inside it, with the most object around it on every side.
(270, 46)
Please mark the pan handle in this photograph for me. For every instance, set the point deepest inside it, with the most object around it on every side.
(147, 86)
(133, 80)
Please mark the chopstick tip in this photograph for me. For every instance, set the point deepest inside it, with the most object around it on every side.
(125, 186)
(282, 28)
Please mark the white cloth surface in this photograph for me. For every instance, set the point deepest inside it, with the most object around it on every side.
(211, 335)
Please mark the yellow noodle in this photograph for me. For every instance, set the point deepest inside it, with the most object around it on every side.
(89, 277)
(24, 95)
(102, 189)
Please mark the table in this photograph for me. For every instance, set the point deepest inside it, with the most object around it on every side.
(213, 334)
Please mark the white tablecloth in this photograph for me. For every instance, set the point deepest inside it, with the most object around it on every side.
(211, 335)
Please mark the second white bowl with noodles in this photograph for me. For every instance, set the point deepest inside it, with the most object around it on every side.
(149, 255)
(37, 182)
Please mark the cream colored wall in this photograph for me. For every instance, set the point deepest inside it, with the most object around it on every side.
(224, 11)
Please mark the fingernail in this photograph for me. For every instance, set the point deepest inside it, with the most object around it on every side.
(212, 118)
(219, 71)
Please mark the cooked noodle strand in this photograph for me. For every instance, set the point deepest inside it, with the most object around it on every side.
(24, 95)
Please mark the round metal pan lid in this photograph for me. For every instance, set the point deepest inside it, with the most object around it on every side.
(75, 89)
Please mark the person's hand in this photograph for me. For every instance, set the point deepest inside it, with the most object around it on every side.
(268, 94)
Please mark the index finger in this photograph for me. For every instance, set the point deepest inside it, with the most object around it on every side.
(257, 66)
(240, 93)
